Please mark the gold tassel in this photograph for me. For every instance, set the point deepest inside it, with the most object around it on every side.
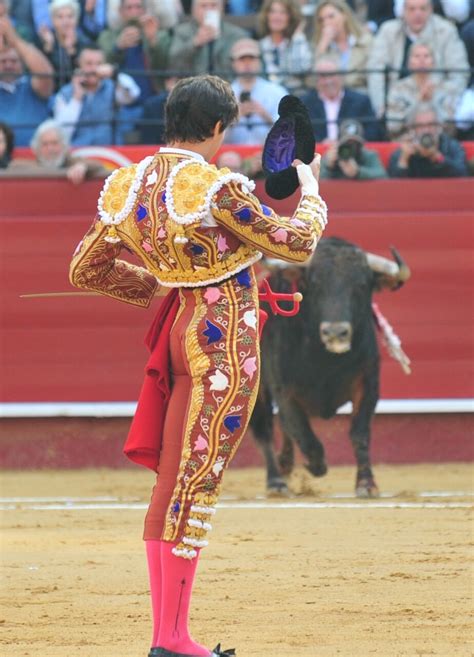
(112, 235)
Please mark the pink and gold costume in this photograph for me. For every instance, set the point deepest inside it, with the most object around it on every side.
(199, 229)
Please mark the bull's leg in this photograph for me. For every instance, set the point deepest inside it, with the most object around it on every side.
(286, 458)
(296, 427)
(262, 427)
(364, 402)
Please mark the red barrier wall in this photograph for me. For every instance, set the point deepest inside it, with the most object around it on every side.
(90, 349)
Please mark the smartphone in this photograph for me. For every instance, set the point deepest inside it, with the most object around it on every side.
(244, 96)
(212, 17)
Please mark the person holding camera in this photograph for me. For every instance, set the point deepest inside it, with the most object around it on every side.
(138, 44)
(426, 152)
(258, 98)
(348, 159)
(86, 106)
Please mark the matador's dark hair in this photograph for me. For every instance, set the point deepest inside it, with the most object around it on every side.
(195, 105)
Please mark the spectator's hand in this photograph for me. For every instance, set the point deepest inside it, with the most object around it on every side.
(105, 71)
(327, 37)
(47, 38)
(429, 153)
(426, 90)
(70, 41)
(349, 168)
(205, 34)
(78, 81)
(254, 107)
(150, 26)
(407, 150)
(245, 108)
(8, 34)
(331, 154)
(76, 173)
(129, 37)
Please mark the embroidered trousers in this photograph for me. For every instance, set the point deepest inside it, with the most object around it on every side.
(215, 365)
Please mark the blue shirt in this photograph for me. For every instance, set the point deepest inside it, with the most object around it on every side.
(22, 109)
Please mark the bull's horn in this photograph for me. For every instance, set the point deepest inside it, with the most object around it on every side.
(397, 270)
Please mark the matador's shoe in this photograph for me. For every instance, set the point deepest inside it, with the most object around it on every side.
(217, 652)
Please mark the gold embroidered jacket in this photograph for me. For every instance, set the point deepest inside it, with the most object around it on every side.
(190, 224)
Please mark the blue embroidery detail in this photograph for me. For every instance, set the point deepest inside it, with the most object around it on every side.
(141, 212)
(212, 333)
(163, 197)
(232, 422)
(176, 507)
(266, 210)
(243, 277)
(197, 249)
(244, 214)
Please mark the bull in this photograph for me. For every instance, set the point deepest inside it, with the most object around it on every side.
(323, 357)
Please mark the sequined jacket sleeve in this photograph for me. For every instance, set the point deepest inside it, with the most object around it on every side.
(95, 266)
(292, 239)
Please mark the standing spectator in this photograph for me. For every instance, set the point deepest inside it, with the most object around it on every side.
(420, 86)
(337, 31)
(23, 97)
(348, 159)
(286, 52)
(7, 144)
(455, 10)
(426, 152)
(258, 98)
(21, 15)
(92, 17)
(64, 41)
(330, 102)
(86, 106)
(203, 44)
(151, 126)
(394, 39)
(168, 12)
(137, 45)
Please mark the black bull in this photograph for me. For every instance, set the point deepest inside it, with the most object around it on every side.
(325, 356)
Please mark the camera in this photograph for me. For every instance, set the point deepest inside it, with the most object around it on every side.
(427, 140)
(349, 150)
(244, 96)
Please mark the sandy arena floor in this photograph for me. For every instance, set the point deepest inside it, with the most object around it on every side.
(318, 575)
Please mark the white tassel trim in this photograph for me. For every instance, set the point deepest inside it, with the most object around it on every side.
(320, 209)
(209, 510)
(192, 522)
(194, 542)
(116, 219)
(203, 209)
(183, 552)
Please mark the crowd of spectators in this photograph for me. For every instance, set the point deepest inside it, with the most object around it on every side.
(101, 71)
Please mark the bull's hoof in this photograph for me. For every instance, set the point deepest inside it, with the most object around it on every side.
(366, 489)
(277, 487)
(317, 469)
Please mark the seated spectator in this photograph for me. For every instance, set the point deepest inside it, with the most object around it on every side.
(64, 41)
(348, 159)
(456, 10)
(420, 86)
(203, 44)
(394, 38)
(23, 97)
(285, 50)
(7, 144)
(258, 98)
(86, 106)
(52, 154)
(168, 12)
(330, 102)
(151, 126)
(250, 166)
(465, 115)
(426, 152)
(137, 45)
(338, 32)
(36, 15)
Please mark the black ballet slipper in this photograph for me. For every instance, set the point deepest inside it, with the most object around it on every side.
(217, 652)
(155, 652)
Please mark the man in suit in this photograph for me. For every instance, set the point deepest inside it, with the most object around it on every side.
(330, 102)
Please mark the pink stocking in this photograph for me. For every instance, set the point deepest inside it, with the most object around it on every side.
(176, 586)
(153, 553)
